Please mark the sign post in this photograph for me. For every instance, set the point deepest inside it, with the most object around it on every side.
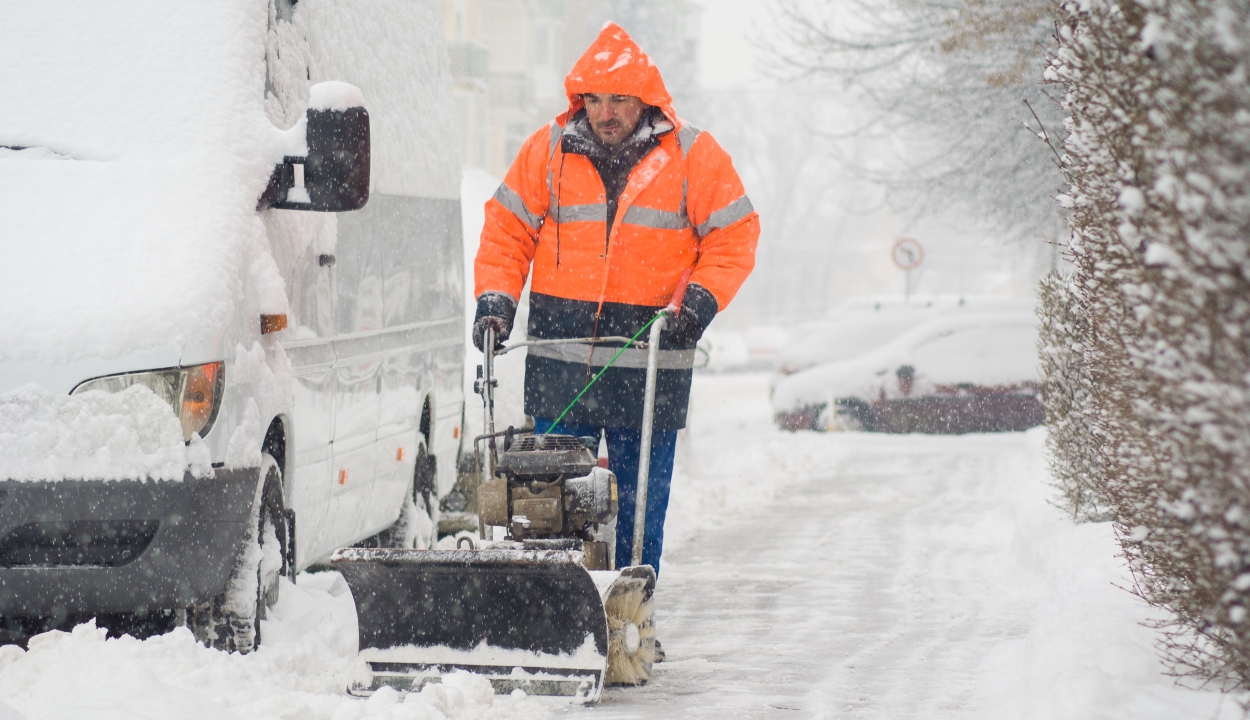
(907, 254)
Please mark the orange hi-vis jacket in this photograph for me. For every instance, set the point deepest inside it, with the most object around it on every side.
(682, 208)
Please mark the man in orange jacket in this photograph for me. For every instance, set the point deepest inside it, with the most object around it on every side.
(611, 204)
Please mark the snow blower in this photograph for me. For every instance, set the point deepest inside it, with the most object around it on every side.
(542, 611)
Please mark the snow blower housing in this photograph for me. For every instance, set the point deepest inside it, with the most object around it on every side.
(541, 611)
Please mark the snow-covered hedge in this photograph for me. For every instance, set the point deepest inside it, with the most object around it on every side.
(1158, 155)
(1067, 393)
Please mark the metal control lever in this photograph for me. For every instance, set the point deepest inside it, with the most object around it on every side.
(477, 383)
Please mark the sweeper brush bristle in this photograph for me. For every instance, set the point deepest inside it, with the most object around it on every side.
(631, 632)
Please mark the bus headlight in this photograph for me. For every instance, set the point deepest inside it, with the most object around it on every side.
(193, 392)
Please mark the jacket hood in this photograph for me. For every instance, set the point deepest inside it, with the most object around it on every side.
(615, 64)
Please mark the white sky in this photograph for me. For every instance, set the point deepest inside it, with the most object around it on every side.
(727, 57)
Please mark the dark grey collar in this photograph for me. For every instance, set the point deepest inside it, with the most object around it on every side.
(579, 138)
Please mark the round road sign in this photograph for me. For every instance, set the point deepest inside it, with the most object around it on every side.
(907, 254)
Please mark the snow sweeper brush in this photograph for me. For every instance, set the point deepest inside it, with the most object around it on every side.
(541, 611)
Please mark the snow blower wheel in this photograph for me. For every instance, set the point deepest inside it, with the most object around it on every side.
(631, 629)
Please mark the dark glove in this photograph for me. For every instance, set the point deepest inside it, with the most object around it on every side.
(697, 310)
(494, 310)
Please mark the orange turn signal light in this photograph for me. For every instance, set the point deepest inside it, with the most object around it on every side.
(201, 386)
(272, 323)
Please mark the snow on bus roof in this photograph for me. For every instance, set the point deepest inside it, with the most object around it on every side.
(335, 95)
(134, 144)
(131, 244)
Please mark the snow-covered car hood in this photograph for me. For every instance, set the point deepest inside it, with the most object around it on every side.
(136, 145)
(865, 323)
(990, 349)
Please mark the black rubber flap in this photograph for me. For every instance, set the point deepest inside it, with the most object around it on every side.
(538, 601)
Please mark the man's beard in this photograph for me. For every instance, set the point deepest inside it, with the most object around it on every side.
(610, 125)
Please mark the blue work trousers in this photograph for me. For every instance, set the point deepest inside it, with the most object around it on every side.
(624, 448)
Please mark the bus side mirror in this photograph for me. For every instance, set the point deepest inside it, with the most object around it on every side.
(334, 175)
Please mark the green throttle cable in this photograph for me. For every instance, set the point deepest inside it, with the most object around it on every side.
(599, 374)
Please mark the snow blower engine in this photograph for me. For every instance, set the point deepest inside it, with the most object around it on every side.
(550, 487)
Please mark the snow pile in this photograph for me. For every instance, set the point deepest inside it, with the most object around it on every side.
(1085, 651)
(143, 238)
(991, 349)
(300, 672)
(319, 607)
(1084, 645)
(717, 482)
(335, 95)
(94, 435)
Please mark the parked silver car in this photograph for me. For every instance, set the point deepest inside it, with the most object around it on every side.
(974, 372)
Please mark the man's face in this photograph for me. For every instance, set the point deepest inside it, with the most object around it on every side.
(613, 117)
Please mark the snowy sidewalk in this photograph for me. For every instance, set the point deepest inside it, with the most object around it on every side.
(884, 576)
(805, 576)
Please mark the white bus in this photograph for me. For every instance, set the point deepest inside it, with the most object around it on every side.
(231, 301)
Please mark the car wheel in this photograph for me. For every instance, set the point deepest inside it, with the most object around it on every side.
(231, 620)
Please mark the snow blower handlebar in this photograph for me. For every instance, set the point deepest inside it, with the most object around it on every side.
(648, 415)
(629, 342)
(485, 386)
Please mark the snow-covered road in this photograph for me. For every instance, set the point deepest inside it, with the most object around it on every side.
(805, 576)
